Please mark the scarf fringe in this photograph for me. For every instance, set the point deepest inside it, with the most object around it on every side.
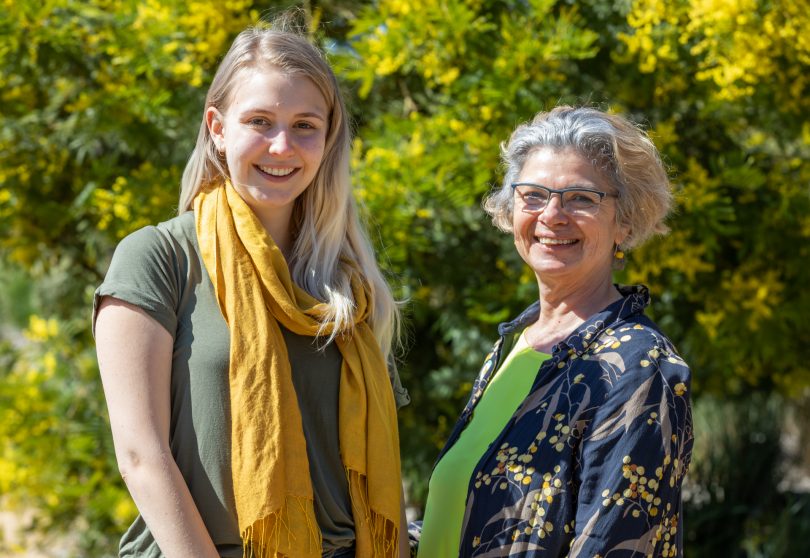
(274, 535)
(382, 531)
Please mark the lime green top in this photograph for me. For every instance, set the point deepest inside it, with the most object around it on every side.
(447, 491)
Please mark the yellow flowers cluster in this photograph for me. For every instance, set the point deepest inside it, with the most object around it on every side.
(41, 329)
(114, 203)
(638, 496)
(736, 44)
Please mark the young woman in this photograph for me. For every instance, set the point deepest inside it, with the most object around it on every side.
(243, 345)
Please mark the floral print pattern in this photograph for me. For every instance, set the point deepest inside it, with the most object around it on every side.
(591, 463)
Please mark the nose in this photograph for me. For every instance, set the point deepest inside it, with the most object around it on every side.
(280, 145)
(553, 211)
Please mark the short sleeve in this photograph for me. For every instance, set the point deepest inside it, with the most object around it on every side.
(633, 459)
(143, 272)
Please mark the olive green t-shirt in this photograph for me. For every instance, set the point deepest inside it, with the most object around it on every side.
(160, 270)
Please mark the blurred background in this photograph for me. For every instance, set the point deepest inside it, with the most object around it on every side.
(100, 101)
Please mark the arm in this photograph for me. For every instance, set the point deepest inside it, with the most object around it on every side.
(633, 460)
(134, 356)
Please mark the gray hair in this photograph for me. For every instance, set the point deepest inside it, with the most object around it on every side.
(616, 147)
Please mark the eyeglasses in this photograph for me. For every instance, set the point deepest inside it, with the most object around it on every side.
(577, 201)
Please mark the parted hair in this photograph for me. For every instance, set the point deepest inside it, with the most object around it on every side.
(329, 239)
(620, 150)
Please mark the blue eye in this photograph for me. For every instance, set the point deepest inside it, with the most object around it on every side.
(257, 121)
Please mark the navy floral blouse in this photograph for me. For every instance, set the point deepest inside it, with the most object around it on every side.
(591, 463)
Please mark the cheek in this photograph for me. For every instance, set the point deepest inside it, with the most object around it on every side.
(314, 148)
(523, 232)
(237, 146)
(523, 223)
(518, 231)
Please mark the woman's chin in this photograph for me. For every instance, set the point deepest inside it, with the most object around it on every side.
(549, 266)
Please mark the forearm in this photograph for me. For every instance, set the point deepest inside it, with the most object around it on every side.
(166, 505)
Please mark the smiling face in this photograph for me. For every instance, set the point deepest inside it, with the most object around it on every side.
(273, 134)
(564, 249)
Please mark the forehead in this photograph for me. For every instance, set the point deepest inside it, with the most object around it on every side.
(560, 168)
(272, 89)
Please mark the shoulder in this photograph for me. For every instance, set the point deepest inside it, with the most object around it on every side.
(635, 352)
(640, 380)
(160, 241)
(151, 268)
(156, 255)
(182, 227)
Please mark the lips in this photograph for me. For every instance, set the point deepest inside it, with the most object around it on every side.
(277, 171)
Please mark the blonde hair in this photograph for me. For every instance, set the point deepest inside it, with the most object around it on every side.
(329, 239)
(619, 149)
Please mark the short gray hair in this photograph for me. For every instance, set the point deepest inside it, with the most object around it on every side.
(616, 147)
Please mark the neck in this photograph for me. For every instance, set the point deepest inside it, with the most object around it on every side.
(580, 300)
(563, 309)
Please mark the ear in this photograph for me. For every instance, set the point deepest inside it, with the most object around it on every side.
(622, 232)
(215, 122)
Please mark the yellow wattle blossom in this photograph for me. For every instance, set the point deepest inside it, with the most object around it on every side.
(41, 329)
(448, 76)
(49, 364)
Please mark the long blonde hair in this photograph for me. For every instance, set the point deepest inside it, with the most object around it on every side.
(329, 239)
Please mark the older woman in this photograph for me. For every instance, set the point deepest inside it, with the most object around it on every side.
(578, 433)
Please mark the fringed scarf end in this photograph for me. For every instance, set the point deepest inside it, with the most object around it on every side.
(385, 536)
(377, 535)
(290, 531)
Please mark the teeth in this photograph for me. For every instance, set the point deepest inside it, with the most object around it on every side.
(278, 172)
(555, 241)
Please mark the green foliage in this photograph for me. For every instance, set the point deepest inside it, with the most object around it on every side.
(101, 103)
(732, 506)
(102, 100)
(721, 513)
(57, 452)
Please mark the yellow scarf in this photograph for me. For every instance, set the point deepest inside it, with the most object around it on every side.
(272, 485)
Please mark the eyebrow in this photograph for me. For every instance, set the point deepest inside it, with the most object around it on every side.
(311, 115)
(317, 115)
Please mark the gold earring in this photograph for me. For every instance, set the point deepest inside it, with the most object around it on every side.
(618, 258)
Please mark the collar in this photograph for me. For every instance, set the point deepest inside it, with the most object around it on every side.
(634, 299)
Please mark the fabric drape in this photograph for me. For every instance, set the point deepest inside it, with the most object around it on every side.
(272, 486)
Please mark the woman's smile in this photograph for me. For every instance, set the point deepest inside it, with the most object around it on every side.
(564, 247)
(548, 241)
(273, 137)
(277, 172)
